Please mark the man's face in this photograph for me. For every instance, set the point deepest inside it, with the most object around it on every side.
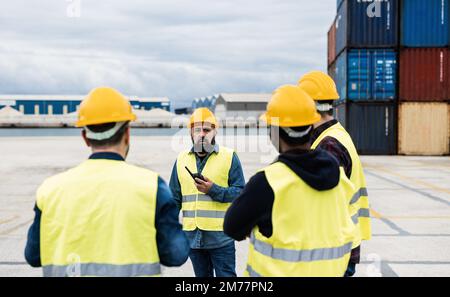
(203, 137)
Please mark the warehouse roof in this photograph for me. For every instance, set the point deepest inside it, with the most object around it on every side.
(149, 99)
(41, 97)
(72, 98)
(156, 112)
(245, 97)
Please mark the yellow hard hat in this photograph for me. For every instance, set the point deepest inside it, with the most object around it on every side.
(104, 105)
(290, 106)
(319, 85)
(202, 115)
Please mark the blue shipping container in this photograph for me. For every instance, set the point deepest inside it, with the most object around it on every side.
(366, 75)
(338, 4)
(425, 23)
(372, 126)
(367, 24)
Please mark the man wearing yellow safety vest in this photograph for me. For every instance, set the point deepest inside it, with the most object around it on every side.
(329, 135)
(296, 209)
(205, 180)
(105, 217)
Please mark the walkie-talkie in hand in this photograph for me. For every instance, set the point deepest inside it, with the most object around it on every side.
(195, 175)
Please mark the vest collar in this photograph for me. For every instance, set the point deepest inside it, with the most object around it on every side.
(106, 156)
(319, 130)
(216, 150)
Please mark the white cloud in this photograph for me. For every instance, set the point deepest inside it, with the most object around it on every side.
(181, 49)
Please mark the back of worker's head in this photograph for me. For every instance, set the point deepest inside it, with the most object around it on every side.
(291, 114)
(105, 115)
(107, 135)
(321, 87)
(295, 136)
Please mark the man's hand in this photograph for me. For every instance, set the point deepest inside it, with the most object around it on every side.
(203, 186)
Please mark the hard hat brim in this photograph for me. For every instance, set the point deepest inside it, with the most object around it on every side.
(131, 118)
(328, 99)
(273, 121)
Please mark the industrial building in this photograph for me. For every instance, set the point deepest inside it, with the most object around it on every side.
(234, 109)
(246, 106)
(62, 104)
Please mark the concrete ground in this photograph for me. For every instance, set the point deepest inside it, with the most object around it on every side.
(410, 199)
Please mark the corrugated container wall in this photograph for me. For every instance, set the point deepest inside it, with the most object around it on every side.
(332, 71)
(332, 43)
(423, 129)
(366, 74)
(367, 23)
(340, 114)
(338, 4)
(372, 126)
(425, 74)
(448, 105)
(425, 23)
(339, 74)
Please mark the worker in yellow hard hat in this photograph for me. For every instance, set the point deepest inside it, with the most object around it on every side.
(331, 136)
(295, 210)
(105, 217)
(204, 182)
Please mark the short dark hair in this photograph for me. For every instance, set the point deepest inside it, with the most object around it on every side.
(324, 113)
(293, 140)
(113, 140)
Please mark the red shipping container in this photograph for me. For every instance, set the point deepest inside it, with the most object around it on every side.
(332, 43)
(424, 74)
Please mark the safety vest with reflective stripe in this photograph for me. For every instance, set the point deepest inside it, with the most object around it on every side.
(200, 210)
(98, 219)
(360, 202)
(312, 230)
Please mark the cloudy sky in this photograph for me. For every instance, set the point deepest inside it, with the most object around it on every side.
(181, 49)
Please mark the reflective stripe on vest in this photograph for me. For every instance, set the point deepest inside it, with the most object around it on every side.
(312, 230)
(357, 177)
(360, 193)
(199, 197)
(102, 270)
(200, 210)
(204, 214)
(251, 272)
(97, 219)
(289, 255)
(362, 213)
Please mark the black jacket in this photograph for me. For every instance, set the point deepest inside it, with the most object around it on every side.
(253, 207)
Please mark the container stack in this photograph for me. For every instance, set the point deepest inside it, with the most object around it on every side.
(424, 84)
(362, 59)
(390, 60)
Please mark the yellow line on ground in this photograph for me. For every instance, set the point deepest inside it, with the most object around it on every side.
(9, 220)
(418, 217)
(6, 232)
(375, 214)
(411, 179)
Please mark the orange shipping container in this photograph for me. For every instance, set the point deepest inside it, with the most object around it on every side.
(332, 44)
(424, 75)
(423, 129)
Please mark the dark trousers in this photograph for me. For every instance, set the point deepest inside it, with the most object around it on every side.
(351, 269)
(221, 261)
(354, 259)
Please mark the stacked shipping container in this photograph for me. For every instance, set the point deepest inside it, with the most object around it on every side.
(362, 59)
(368, 40)
(424, 87)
